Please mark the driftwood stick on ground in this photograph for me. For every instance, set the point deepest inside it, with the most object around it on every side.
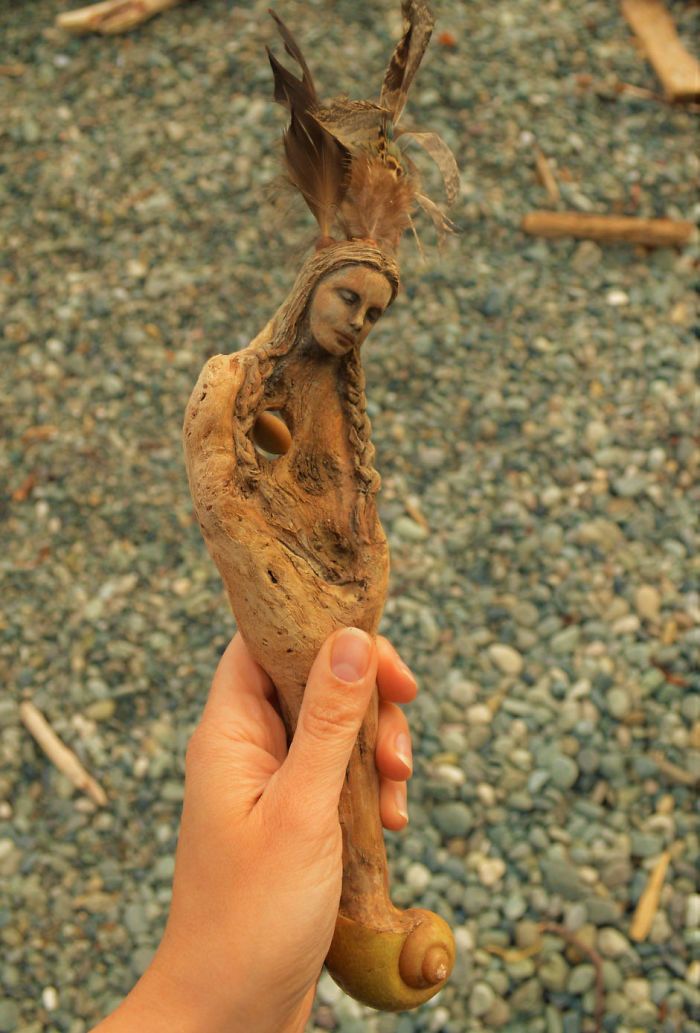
(546, 176)
(673, 772)
(112, 16)
(678, 71)
(57, 752)
(609, 229)
(648, 903)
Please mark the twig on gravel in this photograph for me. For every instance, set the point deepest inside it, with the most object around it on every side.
(546, 176)
(596, 961)
(678, 71)
(511, 955)
(59, 754)
(673, 771)
(608, 228)
(112, 16)
(648, 903)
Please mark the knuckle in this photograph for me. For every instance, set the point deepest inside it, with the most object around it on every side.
(324, 719)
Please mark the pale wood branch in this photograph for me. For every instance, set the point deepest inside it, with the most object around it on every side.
(59, 754)
(112, 16)
(609, 228)
(678, 71)
(672, 771)
(546, 176)
(648, 903)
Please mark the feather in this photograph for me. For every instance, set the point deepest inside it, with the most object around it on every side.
(407, 56)
(377, 204)
(293, 49)
(441, 155)
(352, 122)
(318, 167)
(442, 224)
(317, 164)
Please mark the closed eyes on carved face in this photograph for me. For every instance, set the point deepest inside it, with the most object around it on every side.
(345, 306)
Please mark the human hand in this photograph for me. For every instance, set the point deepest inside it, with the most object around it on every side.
(259, 859)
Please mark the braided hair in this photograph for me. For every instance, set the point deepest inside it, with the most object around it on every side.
(280, 336)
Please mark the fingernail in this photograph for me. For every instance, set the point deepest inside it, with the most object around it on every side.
(407, 671)
(351, 654)
(402, 746)
(400, 800)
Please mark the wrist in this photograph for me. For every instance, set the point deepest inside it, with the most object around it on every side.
(159, 1003)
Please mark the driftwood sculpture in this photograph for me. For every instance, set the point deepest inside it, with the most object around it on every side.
(280, 464)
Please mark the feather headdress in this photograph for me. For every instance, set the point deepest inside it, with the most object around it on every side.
(346, 157)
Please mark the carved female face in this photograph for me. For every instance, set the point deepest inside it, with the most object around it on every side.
(345, 306)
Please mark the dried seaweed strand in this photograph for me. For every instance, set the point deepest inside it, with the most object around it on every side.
(596, 961)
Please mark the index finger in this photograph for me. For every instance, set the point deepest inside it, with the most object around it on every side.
(239, 689)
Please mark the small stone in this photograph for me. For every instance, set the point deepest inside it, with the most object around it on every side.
(617, 702)
(481, 999)
(565, 641)
(463, 692)
(563, 771)
(164, 868)
(627, 625)
(582, 978)
(527, 933)
(492, 305)
(514, 907)
(527, 998)
(409, 530)
(498, 1014)
(476, 899)
(479, 714)
(611, 943)
(645, 844)
(647, 602)
(491, 871)
(692, 911)
(617, 298)
(562, 878)
(136, 920)
(506, 659)
(453, 819)
(602, 910)
(587, 256)
(100, 710)
(418, 877)
(595, 432)
(553, 972)
(9, 1016)
(636, 990)
(630, 485)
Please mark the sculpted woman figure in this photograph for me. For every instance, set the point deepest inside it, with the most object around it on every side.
(280, 464)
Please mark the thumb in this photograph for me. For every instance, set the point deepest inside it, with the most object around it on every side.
(338, 692)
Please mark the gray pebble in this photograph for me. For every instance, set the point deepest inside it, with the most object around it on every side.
(481, 999)
(553, 972)
(9, 1015)
(453, 819)
(617, 702)
(564, 772)
(561, 877)
(581, 979)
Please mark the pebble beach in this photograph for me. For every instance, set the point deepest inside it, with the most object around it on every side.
(535, 407)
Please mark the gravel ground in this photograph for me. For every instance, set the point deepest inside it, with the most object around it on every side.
(537, 433)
